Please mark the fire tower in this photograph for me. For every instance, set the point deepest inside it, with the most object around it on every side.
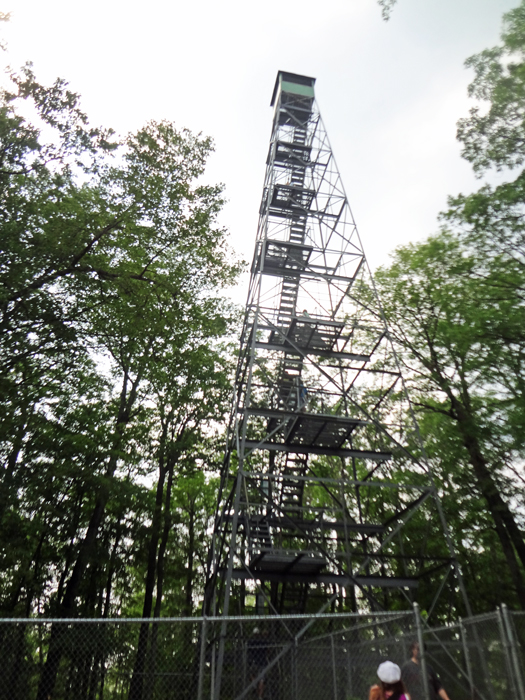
(325, 502)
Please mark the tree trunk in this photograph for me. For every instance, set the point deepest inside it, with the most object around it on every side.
(6, 483)
(191, 553)
(165, 536)
(170, 469)
(137, 679)
(506, 527)
(188, 631)
(86, 548)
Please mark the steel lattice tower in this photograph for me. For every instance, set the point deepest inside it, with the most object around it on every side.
(323, 501)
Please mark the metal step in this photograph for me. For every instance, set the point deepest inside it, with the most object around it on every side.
(292, 490)
(292, 600)
(299, 135)
(259, 534)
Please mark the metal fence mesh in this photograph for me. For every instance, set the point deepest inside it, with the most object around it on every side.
(445, 654)
(329, 657)
(518, 629)
(488, 657)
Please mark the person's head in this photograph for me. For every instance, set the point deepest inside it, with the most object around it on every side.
(414, 650)
(389, 674)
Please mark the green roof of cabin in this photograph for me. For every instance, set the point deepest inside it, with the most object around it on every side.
(291, 82)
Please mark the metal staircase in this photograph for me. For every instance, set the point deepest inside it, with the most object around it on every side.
(323, 502)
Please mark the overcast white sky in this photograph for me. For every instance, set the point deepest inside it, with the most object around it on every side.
(389, 93)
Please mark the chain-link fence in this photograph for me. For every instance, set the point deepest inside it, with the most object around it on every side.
(326, 657)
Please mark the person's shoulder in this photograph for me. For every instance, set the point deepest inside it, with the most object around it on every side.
(409, 671)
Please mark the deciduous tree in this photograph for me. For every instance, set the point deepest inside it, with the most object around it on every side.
(110, 275)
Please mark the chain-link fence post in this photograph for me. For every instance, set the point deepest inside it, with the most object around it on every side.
(513, 651)
(468, 665)
(507, 653)
(422, 654)
(202, 659)
(212, 665)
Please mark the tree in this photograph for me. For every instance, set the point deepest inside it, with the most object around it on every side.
(492, 134)
(183, 413)
(456, 307)
(438, 310)
(110, 272)
(492, 219)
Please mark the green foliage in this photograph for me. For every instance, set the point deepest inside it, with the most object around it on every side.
(446, 310)
(113, 366)
(492, 136)
(455, 304)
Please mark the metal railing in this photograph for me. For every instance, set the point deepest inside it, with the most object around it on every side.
(322, 657)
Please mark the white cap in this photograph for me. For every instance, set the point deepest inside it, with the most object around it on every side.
(389, 672)
(256, 630)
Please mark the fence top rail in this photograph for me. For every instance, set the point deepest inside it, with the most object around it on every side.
(449, 627)
(373, 616)
(482, 617)
(377, 616)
